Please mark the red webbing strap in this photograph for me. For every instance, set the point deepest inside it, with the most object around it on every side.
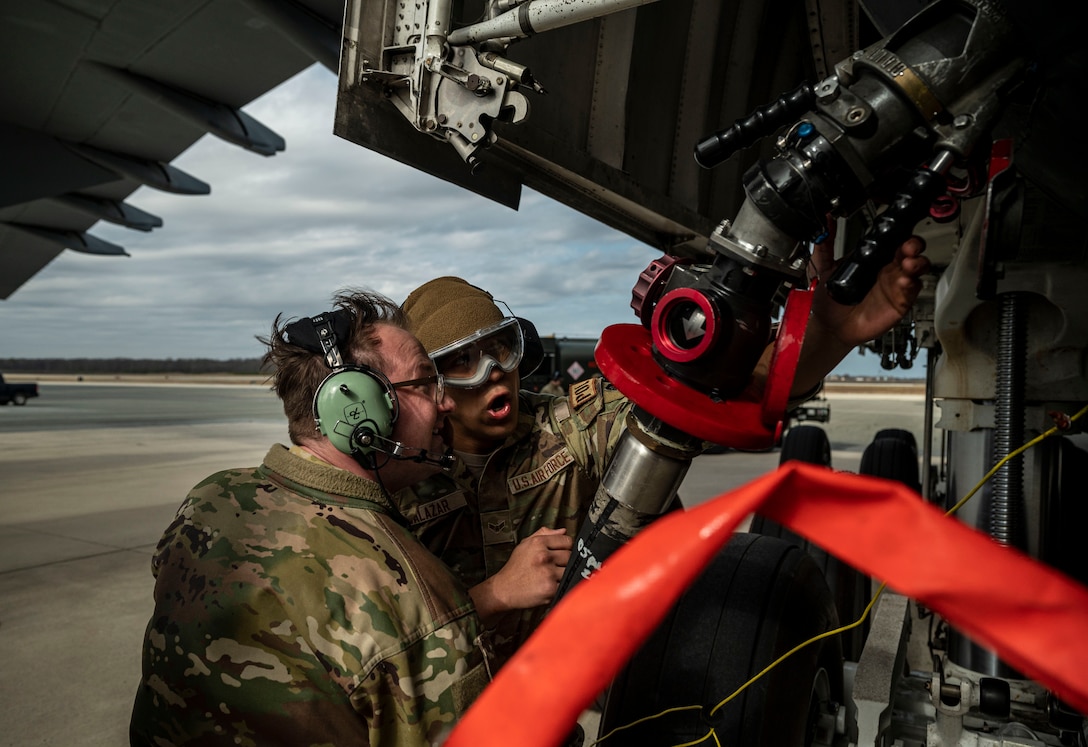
(1035, 618)
(787, 351)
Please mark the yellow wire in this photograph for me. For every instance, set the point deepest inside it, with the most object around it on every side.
(702, 739)
(844, 628)
(644, 719)
(798, 647)
(1011, 455)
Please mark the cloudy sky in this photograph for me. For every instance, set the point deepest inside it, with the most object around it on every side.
(281, 234)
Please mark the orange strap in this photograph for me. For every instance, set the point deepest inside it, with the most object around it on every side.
(1034, 617)
(787, 351)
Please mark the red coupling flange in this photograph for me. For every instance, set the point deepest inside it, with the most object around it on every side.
(651, 285)
(625, 356)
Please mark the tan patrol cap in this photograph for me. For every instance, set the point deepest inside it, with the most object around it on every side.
(448, 309)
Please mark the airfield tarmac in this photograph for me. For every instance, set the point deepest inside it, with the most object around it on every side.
(92, 472)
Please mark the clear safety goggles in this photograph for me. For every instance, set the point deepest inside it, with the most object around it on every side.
(468, 362)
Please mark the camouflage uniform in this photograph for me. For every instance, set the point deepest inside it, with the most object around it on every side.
(290, 608)
(544, 475)
(552, 387)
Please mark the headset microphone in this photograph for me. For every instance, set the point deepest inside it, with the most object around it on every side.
(397, 450)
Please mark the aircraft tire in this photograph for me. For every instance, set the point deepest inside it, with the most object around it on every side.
(806, 443)
(850, 588)
(894, 458)
(900, 433)
(759, 597)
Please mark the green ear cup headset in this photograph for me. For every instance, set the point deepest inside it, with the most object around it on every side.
(354, 404)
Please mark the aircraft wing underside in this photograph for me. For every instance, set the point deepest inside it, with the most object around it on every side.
(100, 95)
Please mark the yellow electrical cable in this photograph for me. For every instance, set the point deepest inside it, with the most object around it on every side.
(800, 646)
(1011, 455)
(880, 590)
(702, 739)
(644, 719)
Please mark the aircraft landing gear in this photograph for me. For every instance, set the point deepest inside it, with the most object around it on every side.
(759, 598)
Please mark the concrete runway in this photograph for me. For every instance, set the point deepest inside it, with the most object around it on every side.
(90, 475)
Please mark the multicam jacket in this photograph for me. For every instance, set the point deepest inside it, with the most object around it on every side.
(544, 475)
(291, 609)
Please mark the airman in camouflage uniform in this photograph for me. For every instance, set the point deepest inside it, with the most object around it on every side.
(543, 475)
(525, 461)
(293, 605)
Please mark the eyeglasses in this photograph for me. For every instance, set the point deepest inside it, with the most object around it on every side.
(435, 385)
(468, 362)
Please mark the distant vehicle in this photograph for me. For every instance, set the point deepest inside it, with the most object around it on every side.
(571, 356)
(16, 394)
(818, 409)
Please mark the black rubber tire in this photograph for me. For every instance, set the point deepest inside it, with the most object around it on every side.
(806, 443)
(901, 433)
(19, 400)
(759, 598)
(850, 588)
(892, 458)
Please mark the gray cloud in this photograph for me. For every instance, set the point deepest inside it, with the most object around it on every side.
(283, 233)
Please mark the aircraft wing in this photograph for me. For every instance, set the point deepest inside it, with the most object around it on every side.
(100, 96)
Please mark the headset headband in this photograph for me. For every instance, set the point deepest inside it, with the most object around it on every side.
(320, 334)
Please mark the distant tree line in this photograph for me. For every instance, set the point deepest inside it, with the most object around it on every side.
(241, 366)
(246, 366)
